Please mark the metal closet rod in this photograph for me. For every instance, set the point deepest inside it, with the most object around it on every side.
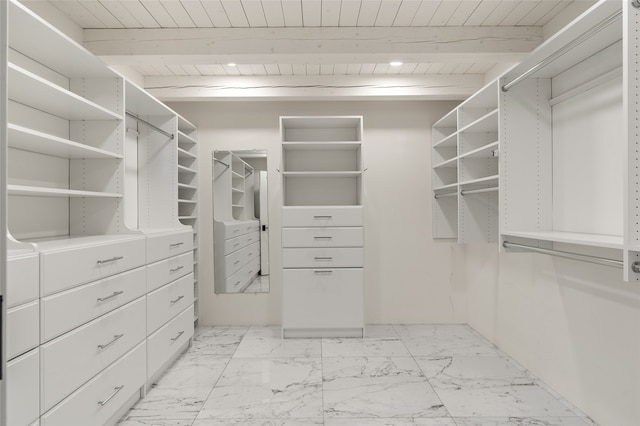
(575, 42)
(478, 191)
(221, 162)
(567, 255)
(146, 123)
(448, 194)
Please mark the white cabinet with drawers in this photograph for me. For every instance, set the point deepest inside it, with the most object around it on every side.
(322, 227)
(237, 251)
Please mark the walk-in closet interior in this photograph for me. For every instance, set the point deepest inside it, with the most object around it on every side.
(320, 212)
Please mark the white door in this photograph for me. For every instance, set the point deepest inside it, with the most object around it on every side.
(4, 40)
(264, 224)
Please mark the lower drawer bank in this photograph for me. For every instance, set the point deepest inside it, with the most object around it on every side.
(164, 343)
(23, 389)
(96, 402)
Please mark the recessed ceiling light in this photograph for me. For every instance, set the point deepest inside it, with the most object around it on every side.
(232, 64)
(395, 63)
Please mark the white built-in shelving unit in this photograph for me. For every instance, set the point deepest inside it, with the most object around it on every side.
(322, 226)
(557, 134)
(92, 184)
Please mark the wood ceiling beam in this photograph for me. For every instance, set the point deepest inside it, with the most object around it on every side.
(199, 46)
(318, 87)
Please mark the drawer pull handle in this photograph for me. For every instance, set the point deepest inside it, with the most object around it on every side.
(236, 230)
(323, 217)
(172, 245)
(115, 339)
(176, 269)
(115, 392)
(176, 300)
(113, 259)
(323, 272)
(237, 283)
(115, 293)
(236, 244)
(249, 240)
(173, 339)
(250, 254)
(236, 262)
(322, 238)
(323, 258)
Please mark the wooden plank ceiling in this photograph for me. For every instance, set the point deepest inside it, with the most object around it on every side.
(447, 44)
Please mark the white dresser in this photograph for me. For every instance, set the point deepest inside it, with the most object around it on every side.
(237, 256)
(322, 227)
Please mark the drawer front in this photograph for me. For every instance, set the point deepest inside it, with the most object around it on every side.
(233, 244)
(164, 343)
(322, 257)
(65, 269)
(23, 279)
(23, 328)
(72, 359)
(238, 280)
(89, 301)
(328, 298)
(236, 229)
(234, 261)
(168, 270)
(168, 301)
(162, 246)
(306, 217)
(252, 253)
(323, 237)
(101, 398)
(23, 389)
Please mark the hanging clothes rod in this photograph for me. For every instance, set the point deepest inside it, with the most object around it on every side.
(146, 123)
(575, 42)
(567, 255)
(449, 194)
(478, 191)
(221, 162)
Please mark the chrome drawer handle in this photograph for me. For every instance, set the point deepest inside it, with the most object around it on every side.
(115, 293)
(236, 230)
(250, 254)
(173, 339)
(115, 339)
(176, 269)
(323, 272)
(323, 258)
(322, 217)
(176, 300)
(115, 392)
(113, 259)
(172, 245)
(237, 283)
(249, 240)
(236, 244)
(236, 262)
(322, 238)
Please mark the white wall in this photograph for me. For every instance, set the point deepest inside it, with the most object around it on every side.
(409, 277)
(573, 324)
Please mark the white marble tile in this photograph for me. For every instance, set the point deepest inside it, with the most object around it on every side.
(217, 340)
(423, 421)
(382, 331)
(193, 370)
(363, 347)
(489, 387)
(267, 342)
(444, 340)
(156, 422)
(259, 422)
(522, 421)
(377, 387)
(162, 405)
(276, 388)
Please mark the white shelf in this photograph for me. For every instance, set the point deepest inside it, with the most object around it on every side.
(236, 190)
(486, 123)
(182, 153)
(74, 241)
(449, 141)
(184, 169)
(595, 240)
(446, 188)
(185, 186)
(321, 174)
(485, 182)
(30, 89)
(485, 151)
(183, 138)
(185, 201)
(322, 146)
(43, 143)
(187, 218)
(38, 191)
(453, 162)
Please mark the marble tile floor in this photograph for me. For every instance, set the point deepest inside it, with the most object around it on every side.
(429, 375)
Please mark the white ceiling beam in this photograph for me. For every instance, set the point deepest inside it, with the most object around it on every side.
(317, 87)
(311, 45)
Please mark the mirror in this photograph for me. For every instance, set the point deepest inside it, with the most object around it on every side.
(240, 221)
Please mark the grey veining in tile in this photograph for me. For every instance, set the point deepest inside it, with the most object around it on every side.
(267, 342)
(276, 388)
(260, 422)
(444, 340)
(424, 421)
(368, 347)
(217, 340)
(522, 421)
(377, 387)
(193, 370)
(489, 387)
(163, 404)
(156, 422)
